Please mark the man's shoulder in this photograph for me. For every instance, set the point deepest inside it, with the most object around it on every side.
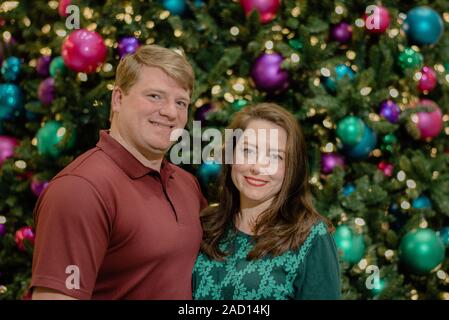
(92, 165)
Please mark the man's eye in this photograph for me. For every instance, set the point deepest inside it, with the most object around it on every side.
(182, 104)
(154, 96)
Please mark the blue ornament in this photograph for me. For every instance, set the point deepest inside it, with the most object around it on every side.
(208, 172)
(11, 68)
(348, 189)
(423, 25)
(400, 218)
(341, 71)
(444, 235)
(198, 3)
(11, 101)
(365, 146)
(176, 7)
(422, 202)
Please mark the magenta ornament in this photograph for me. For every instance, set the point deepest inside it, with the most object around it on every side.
(377, 19)
(7, 146)
(430, 123)
(428, 79)
(84, 51)
(267, 8)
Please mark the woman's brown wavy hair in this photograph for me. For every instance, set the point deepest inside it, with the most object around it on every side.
(288, 221)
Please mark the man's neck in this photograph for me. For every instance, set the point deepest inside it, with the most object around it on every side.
(149, 161)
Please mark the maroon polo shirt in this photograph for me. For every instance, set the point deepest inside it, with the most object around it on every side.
(130, 231)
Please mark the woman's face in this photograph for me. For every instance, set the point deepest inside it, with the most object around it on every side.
(259, 178)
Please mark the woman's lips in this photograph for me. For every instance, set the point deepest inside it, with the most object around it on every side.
(255, 182)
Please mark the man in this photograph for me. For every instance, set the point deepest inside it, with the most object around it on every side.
(120, 221)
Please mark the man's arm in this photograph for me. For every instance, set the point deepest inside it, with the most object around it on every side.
(40, 293)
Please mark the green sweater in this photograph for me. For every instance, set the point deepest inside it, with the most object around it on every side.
(310, 272)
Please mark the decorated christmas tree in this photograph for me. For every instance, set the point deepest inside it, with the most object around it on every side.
(369, 84)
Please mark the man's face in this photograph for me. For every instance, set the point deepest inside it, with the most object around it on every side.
(154, 106)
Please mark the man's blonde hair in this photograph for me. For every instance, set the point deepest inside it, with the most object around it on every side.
(171, 62)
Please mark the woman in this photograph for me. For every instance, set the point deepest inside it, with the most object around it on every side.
(265, 240)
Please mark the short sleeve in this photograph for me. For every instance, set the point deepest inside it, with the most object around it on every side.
(72, 235)
(319, 274)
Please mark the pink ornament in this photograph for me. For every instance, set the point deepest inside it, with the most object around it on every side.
(7, 146)
(428, 80)
(386, 168)
(63, 4)
(84, 51)
(266, 8)
(329, 161)
(377, 19)
(429, 123)
(22, 235)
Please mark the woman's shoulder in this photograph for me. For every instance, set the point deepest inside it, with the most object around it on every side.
(318, 239)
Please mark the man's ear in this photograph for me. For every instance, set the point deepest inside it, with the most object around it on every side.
(117, 95)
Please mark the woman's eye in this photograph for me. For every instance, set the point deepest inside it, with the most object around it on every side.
(275, 156)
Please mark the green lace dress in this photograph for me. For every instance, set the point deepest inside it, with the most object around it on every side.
(311, 272)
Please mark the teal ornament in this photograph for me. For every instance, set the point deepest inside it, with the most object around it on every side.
(365, 146)
(11, 101)
(423, 25)
(237, 105)
(350, 130)
(50, 139)
(208, 172)
(57, 66)
(422, 202)
(444, 236)
(379, 287)
(351, 244)
(176, 7)
(341, 71)
(11, 69)
(421, 250)
(348, 189)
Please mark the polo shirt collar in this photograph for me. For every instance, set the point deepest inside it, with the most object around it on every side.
(126, 161)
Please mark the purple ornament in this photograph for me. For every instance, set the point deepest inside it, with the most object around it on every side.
(43, 66)
(390, 111)
(342, 32)
(267, 73)
(2, 229)
(7, 146)
(202, 113)
(38, 186)
(329, 161)
(46, 91)
(127, 45)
